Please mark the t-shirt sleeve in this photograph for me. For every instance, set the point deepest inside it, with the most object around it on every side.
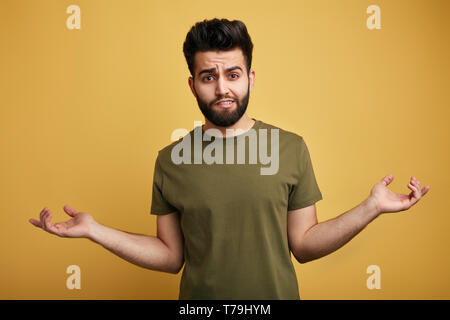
(160, 205)
(306, 191)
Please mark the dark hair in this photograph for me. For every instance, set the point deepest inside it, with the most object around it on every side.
(215, 34)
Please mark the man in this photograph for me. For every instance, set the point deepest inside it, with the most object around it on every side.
(233, 226)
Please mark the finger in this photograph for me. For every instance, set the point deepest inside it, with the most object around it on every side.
(416, 184)
(42, 219)
(414, 190)
(48, 225)
(51, 228)
(35, 222)
(41, 215)
(388, 179)
(425, 190)
(70, 211)
(416, 194)
(412, 196)
(416, 180)
(44, 222)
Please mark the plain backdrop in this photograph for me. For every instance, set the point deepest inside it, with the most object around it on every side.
(84, 112)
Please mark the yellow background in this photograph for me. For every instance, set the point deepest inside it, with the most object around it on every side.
(84, 112)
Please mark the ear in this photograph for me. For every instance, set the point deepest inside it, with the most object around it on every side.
(191, 85)
(251, 79)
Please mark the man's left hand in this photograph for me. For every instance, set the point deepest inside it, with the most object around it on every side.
(388, 201)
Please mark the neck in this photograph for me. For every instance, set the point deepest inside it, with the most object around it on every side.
(244, 124)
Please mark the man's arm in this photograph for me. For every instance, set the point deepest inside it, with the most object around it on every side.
(309, 240)
(162, 253)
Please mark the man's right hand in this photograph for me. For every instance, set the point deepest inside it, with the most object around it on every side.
(77, 227)
(165, 252)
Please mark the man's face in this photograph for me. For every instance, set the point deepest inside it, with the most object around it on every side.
(221, 76)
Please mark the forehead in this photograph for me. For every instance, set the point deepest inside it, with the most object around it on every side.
(209, 59)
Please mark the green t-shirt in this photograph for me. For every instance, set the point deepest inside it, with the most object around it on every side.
(233, 217)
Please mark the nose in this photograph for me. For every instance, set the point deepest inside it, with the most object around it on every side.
(221, 88)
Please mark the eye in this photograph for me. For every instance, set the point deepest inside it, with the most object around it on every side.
(204, 78)
(234, 74)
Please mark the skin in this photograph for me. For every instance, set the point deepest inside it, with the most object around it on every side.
(213, 86)
(308, 239)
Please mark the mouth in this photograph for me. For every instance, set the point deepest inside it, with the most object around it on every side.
(224, 104)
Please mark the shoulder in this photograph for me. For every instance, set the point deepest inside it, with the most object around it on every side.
(285, 135)
(164, 154)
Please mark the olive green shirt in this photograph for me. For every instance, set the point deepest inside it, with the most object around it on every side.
(233, 218)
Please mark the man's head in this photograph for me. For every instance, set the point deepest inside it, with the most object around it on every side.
(219, 55)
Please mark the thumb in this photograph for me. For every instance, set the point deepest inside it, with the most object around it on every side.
(388, 179)
(70, 211)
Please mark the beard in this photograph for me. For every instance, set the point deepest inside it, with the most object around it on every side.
(224, 117)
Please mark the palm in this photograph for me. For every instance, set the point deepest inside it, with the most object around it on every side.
(388, 201)
(76, 227)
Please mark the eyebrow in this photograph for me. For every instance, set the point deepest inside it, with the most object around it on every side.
(211, 70)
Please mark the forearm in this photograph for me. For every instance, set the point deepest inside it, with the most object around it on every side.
(146, 251)
(326, 237)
